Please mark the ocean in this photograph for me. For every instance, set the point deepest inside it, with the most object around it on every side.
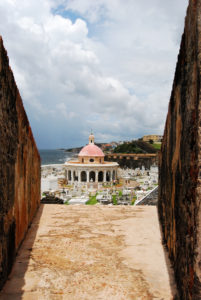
(49, 157)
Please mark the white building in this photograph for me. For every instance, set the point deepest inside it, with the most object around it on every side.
(90, 166)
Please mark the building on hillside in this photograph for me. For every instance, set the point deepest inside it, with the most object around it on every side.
(107, 147)
(90, 167)
(155, 138)
(114, 144)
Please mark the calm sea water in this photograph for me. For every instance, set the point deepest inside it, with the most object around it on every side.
(49, 157)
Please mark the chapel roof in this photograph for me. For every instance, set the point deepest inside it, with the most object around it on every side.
(91, 149)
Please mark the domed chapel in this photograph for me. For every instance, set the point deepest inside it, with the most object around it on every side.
(91, 166)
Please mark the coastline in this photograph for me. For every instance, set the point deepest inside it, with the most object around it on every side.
(52, 165)
(54, 157)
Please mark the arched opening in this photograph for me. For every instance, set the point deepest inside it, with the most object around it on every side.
(83, 176)
(92, 176)
(82, 160)
(113, 175)
(75, 177)
(69, 175)
(108, 176)
(100, 176)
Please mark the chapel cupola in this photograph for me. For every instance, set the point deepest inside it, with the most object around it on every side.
(91, 139)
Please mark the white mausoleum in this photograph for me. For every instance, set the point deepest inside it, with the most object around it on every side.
(90, 166)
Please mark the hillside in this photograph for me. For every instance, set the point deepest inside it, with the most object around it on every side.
(135, 147)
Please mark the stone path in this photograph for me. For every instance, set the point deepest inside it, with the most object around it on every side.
(91, 252)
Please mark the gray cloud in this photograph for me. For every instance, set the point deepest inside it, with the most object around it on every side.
(111, 69)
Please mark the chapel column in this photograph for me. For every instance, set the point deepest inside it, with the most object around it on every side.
(104, 176)
(87, 176)
(72, 176)
(96, 177)
(79, 176)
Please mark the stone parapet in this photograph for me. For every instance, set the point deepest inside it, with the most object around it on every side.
(133, 160)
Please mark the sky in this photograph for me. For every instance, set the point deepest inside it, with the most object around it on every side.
(100, 65)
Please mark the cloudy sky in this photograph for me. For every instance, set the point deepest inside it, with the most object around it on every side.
(105, 65)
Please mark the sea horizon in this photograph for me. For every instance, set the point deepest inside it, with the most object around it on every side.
(54, 156)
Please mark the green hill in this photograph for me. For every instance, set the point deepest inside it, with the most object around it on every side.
(135, 147)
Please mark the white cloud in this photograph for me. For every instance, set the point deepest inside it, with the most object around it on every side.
(110, 68)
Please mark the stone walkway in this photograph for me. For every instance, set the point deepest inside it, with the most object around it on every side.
(91, 252)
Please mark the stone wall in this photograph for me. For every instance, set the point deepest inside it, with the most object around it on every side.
(133, 161)
(19, 169)
(180, 161)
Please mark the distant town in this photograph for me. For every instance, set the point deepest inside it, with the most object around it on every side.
(146, 144)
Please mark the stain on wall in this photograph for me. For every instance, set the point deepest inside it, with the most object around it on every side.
(19, 169)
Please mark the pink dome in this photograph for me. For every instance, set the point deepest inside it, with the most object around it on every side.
(91, 150)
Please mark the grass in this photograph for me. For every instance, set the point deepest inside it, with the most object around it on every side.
(157, 146)
(106, 186)
(120, 193)
(92, 200)
(114, 200)
(133, 200)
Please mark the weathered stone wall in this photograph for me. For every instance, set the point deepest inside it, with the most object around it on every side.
(133, 162)
(180, 162)
(19, 169)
